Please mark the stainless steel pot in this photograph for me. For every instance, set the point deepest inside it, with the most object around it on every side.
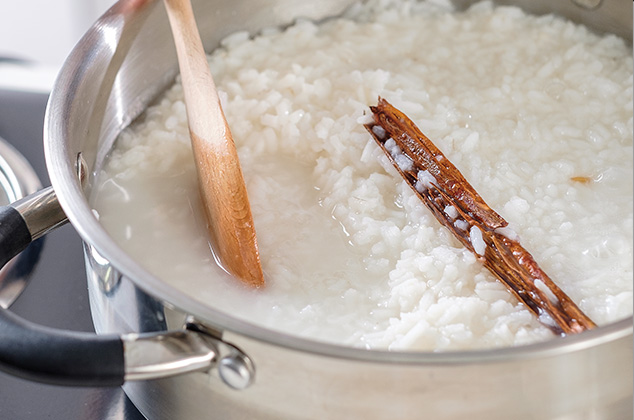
(226, 368)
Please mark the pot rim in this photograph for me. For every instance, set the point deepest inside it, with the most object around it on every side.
(73, 200)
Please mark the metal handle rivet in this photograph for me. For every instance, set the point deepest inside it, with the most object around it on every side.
(588, 4)
(236, 371)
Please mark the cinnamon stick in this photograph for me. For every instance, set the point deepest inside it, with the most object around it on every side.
(456, 205)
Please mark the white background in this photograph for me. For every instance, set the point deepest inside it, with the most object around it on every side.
(43, 32)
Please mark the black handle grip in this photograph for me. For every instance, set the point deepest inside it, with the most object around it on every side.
(51, 355)
(14, 234)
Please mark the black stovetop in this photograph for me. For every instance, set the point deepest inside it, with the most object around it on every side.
(57, 294)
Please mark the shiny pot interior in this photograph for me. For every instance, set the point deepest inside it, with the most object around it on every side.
(127, 59)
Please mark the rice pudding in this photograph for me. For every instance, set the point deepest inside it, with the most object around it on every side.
(535, 111)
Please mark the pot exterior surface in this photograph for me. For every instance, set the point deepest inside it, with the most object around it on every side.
(119, 67)
(300, 386)
(586, 383)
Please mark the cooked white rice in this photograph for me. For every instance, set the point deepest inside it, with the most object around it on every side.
(526, 107)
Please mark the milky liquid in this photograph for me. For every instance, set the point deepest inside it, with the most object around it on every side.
(302, 244)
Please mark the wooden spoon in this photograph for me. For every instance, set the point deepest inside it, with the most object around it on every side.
(222, 187)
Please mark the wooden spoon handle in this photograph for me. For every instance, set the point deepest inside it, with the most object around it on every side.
(220, 177)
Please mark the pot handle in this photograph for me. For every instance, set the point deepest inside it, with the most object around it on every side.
(71, 358)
